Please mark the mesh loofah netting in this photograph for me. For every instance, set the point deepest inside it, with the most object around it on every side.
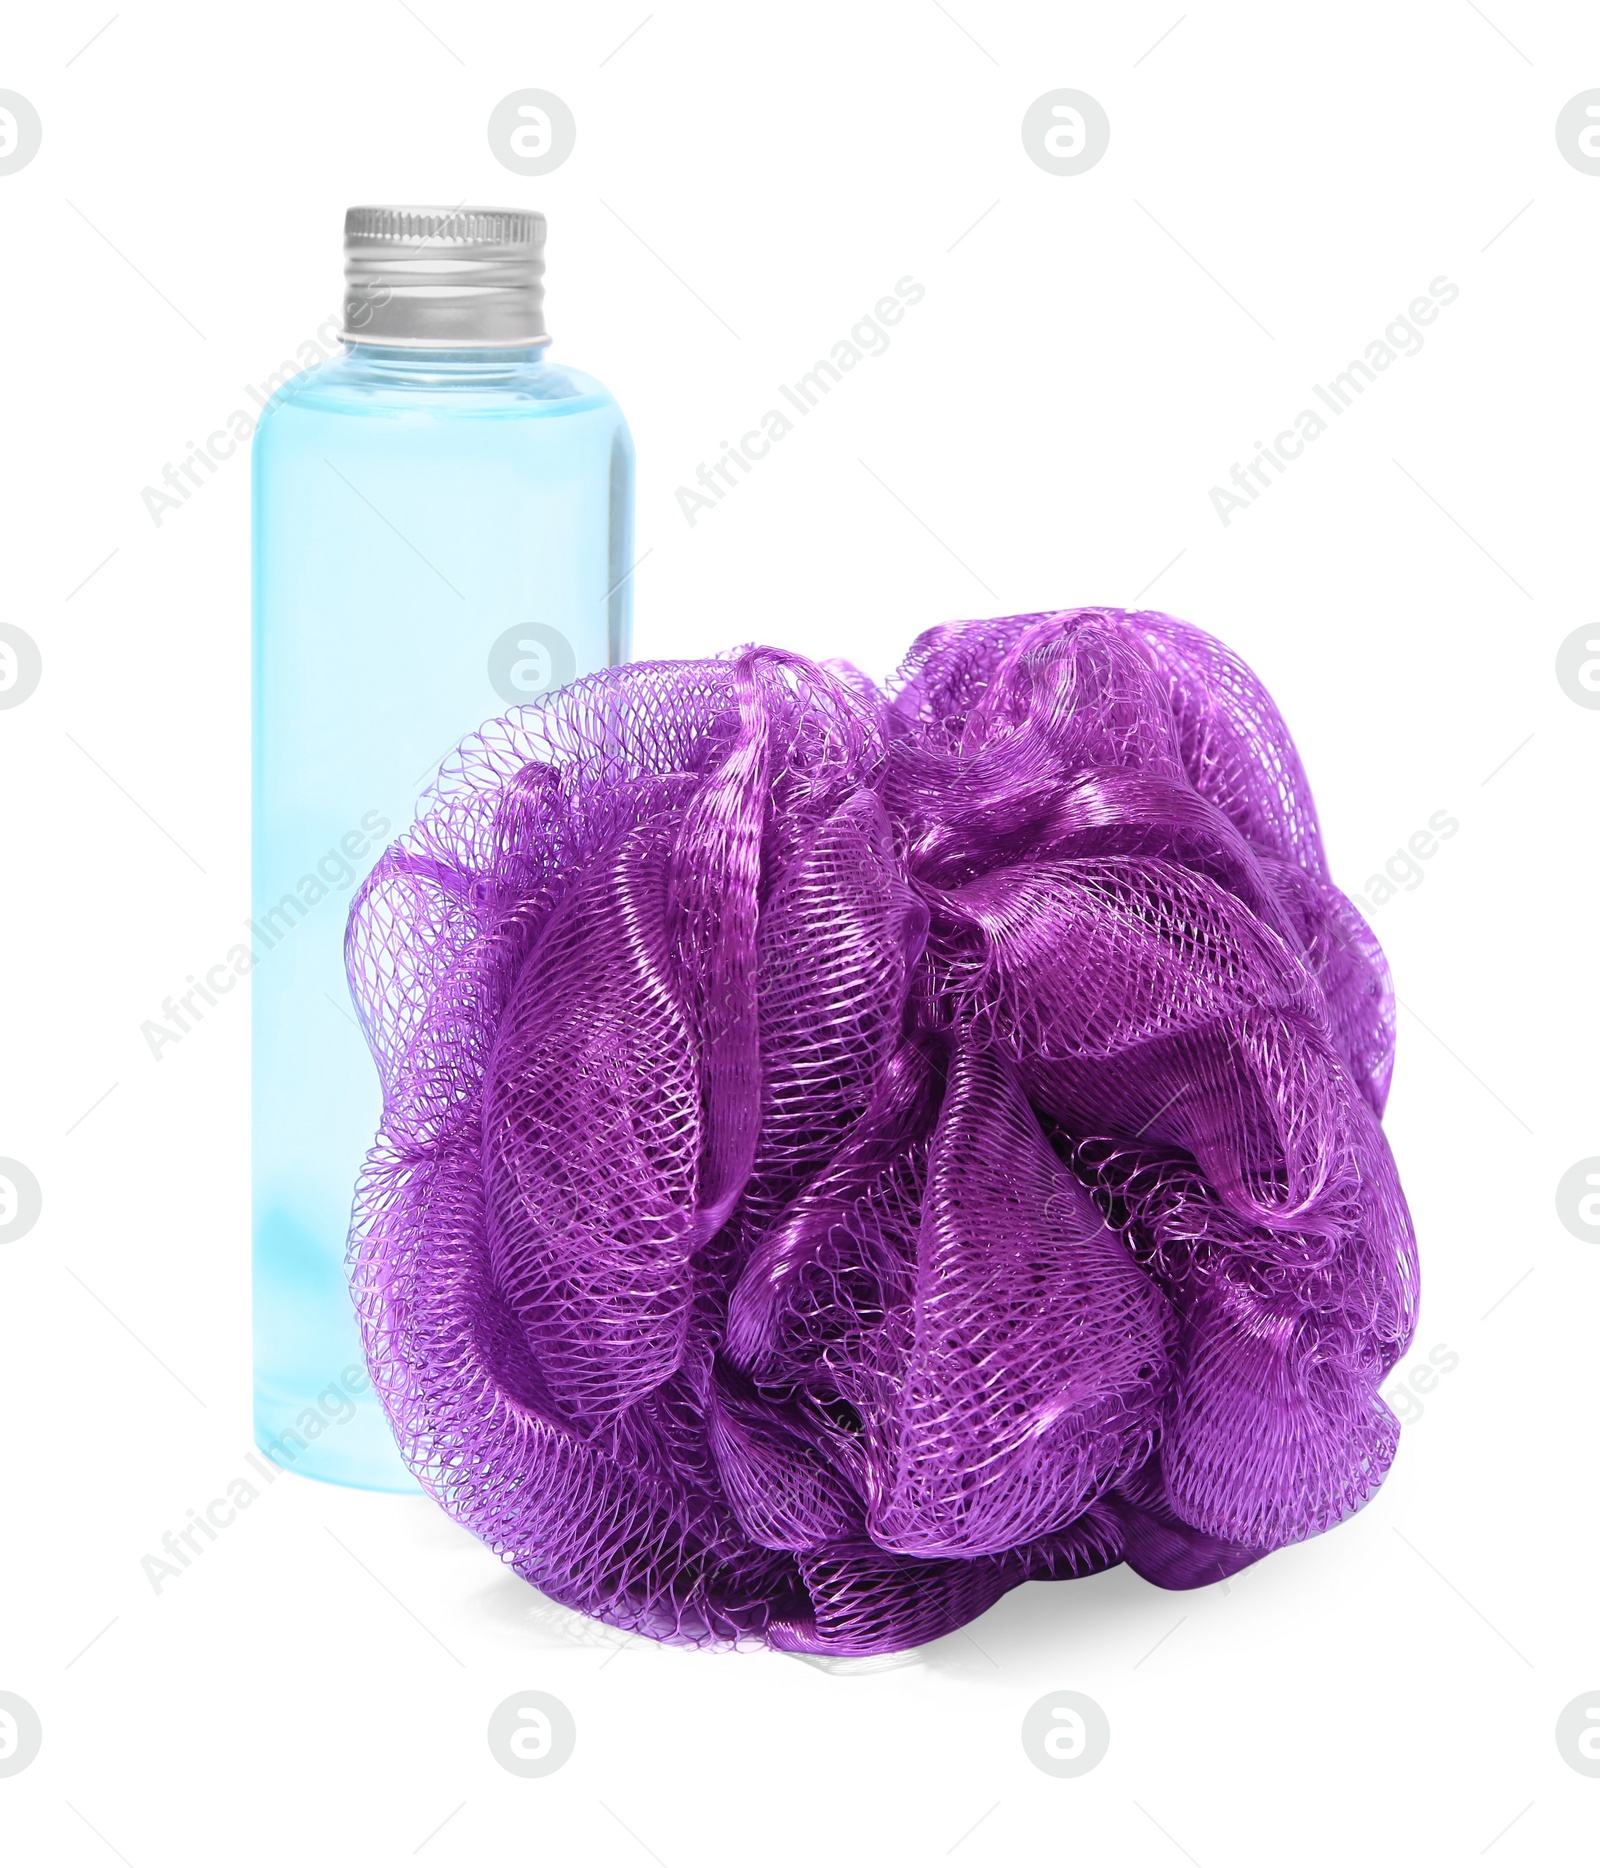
(844, 1156)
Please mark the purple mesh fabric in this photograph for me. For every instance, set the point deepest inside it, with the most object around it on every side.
(845, 1155)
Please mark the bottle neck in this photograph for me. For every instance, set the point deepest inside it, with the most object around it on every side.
(478, 363)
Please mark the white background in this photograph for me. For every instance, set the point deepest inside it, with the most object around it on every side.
(1092, 355)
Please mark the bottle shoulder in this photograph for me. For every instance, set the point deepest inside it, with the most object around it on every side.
(351, 384)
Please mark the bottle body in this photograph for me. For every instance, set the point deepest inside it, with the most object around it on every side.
(438, 536)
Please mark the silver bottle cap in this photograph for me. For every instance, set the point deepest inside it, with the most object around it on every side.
(444, 278)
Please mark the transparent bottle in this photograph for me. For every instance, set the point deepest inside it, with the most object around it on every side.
(442, 530)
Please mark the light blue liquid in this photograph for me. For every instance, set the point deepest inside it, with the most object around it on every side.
(411, 508)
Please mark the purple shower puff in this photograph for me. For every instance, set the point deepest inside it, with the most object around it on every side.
(845, 1154)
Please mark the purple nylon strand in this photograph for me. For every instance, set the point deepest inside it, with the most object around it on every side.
(845, 1154)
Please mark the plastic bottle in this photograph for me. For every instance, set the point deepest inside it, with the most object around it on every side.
(442, 529)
